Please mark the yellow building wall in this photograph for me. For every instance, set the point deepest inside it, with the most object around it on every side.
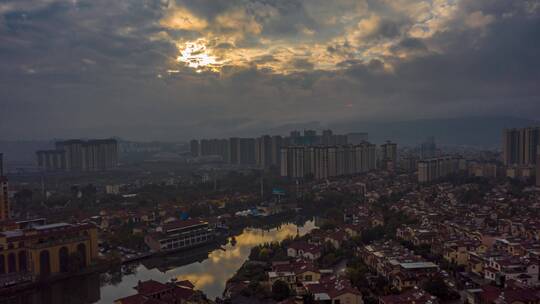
(314, 276)
(349, 298)
(54, 256)
(33, 254)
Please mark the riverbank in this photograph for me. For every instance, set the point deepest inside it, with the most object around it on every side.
(208, 267)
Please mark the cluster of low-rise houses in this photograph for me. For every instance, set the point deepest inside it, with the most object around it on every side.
(401, 267)
(481, 240)
(303, 275)
(491, 240)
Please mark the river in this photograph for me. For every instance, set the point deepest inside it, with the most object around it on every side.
(207, 269)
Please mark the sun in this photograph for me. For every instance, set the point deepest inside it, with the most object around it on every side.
(196, 55)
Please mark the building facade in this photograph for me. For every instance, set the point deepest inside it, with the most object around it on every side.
(435, 168)
(180, 235)
(277, 143)
(263, 151)
(219, 147)
(520, 146)
(51, 160)
(389, 155)
(80, 156)
(234, 145)
(48, 249)
(322, 162)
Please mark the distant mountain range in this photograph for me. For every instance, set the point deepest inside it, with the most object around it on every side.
(470, 131)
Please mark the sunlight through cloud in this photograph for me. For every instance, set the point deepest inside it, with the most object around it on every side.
(196, 55)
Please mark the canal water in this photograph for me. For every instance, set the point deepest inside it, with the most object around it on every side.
(208, 269)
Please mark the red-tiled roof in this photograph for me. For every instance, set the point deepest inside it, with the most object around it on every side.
(415, 295)
(183, 293)
(520, 295)
(151, 287)
(489, 294)
(181, 224)
(185, 283)
(53, 231)
(138, 299)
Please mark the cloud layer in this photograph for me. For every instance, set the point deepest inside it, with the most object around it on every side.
(180, 69)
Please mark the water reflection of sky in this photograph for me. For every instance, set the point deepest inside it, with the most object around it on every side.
(211, 274)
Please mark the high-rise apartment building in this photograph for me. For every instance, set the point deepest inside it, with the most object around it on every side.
(72, 152)
(520, 146)
(246, 151)
(234, 154)
(215, 147)
(409, 163)
(99, 155)
(51, 160)
(435, 168)
(4, 195)
(389, 154)
(80, 156)
(321, 162)
(277, 143)
(292, 162)
(263, 151)
(243, 151)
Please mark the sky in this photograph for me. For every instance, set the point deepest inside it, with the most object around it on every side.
(162, 69)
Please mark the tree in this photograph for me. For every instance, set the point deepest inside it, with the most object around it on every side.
(280, 290)
(265, 254)
(334, 214)
(357, 276)
(308, 298)
(372, 234)
(438, 288)
(329, 259)
(254, 254)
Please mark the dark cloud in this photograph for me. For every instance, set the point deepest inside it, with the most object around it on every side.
(103, 68)
(302, 64)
